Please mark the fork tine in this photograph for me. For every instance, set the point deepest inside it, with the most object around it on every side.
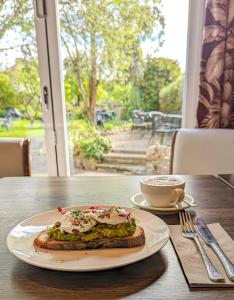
(186, 229)
(191, 222)
(181, 222)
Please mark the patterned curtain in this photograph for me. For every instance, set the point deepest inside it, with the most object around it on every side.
(216, 95)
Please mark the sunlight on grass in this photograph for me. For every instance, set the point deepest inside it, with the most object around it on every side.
(23, 128)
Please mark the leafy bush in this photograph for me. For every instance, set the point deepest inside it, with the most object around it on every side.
(159, 72)
(104, 143)
(80, 130)
(87, 140)
(95, 148)
(7, 92)
(170, 97)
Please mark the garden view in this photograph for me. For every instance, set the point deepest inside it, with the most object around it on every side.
(123, 99)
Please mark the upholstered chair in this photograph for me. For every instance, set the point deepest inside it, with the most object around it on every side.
(15, 157)
(202, 152)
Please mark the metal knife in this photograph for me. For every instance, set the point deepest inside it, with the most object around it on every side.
(208, 237)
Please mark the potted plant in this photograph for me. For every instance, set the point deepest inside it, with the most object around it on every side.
(80, 131)
(92, 151)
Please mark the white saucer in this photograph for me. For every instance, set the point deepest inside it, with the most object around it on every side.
(140, 201)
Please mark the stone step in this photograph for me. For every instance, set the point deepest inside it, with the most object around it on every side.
(121, 168)
(128, 151)
(125, 158)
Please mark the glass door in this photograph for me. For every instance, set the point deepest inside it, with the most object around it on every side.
(112, 78)
(48, 45)
(21, 112)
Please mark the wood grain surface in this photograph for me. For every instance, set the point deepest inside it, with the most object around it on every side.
(158, 277)
(228, 179)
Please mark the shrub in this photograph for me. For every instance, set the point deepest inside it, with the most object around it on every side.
(80, 130)
(7, 92)
(95, 148)
(170, 97)
(159, 72)
(87, 141)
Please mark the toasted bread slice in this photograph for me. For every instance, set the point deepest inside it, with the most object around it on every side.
(138, 238)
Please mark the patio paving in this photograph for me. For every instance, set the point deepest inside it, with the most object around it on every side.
(128, 155)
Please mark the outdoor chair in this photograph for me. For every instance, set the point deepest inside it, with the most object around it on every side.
(202, 152)
(164, 126)
(7, 123)
(14, 157)
(141, 120)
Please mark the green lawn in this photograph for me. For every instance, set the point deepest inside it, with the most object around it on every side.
(23, 128)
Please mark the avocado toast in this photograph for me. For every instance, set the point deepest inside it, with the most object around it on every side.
(91, 228)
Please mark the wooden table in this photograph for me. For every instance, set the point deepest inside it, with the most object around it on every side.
(158, 277)
(228, 179)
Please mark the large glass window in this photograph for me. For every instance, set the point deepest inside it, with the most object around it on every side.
(20, 99)
(123, 67)
(123, 64)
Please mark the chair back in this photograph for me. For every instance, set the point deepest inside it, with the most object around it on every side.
(14, 157)
(202, 152)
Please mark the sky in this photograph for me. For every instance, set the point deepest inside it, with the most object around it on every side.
(174, 47)
(175, 44)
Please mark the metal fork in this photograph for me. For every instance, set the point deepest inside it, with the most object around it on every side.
(189, 231)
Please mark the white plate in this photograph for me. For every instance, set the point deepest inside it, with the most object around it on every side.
(141, 202)
(20, 243)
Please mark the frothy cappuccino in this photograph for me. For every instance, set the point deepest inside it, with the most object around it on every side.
(163, 180)
(163, 190)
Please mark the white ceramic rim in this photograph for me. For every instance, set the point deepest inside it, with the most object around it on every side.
(161, 186)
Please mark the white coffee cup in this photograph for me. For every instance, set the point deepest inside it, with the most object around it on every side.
(163, 190)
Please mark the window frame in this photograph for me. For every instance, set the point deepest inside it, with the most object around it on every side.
(196, 17)
(51, 77)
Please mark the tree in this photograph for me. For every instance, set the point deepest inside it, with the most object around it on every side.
(17, 15)
(159, 72)
(14, 13)
(24, 77)
(170, 97)
(114, 93)
(103, 39)
(7, 92)
(72, 93)
(16, 18)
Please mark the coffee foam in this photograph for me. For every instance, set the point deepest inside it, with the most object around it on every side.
(163, 180)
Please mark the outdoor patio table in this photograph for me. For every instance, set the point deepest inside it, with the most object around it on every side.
(158, 277)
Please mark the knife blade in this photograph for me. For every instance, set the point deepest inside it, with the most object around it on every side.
(208, 237)
(204, 231)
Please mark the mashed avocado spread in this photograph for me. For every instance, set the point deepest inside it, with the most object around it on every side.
(99, 231)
